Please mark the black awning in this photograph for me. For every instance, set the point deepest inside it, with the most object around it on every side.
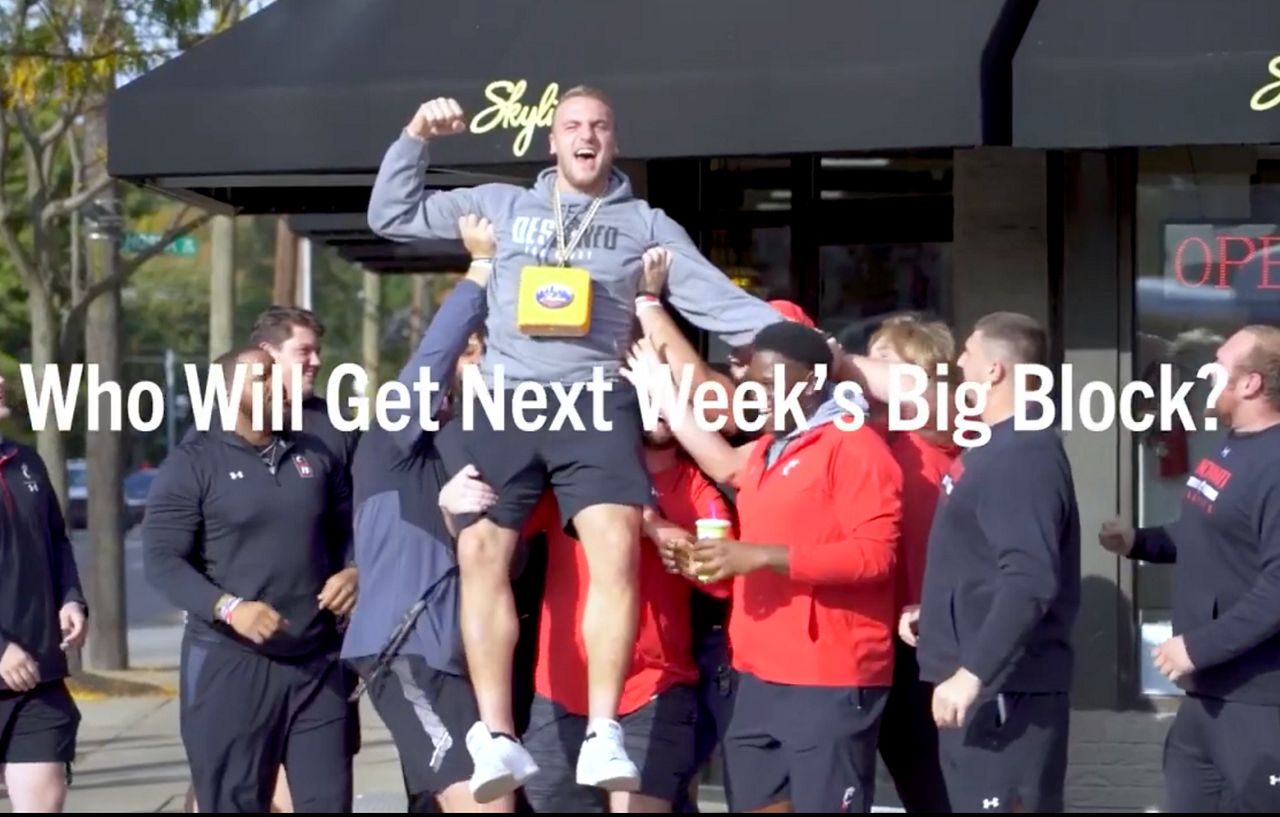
(1104, 73)
(320, 87)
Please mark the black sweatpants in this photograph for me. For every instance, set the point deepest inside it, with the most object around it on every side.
(1222, 756)
(1011, 756)
(243, 714)
(909, 738)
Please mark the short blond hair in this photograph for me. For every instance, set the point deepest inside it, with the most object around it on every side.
(585, 92)
(921, 343)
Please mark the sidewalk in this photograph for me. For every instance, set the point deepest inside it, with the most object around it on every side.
(131, 757)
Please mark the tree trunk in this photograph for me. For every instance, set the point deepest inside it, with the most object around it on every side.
(108, 641)
(371, 330)
(417, 308)
(222, 288)
(284, 291)
(44, 350)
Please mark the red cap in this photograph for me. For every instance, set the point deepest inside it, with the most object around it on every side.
(793, 313)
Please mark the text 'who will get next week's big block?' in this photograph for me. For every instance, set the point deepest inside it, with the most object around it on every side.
(1042, 401)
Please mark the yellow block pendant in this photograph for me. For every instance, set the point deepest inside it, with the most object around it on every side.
(554, 301)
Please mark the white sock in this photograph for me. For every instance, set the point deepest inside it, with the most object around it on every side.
(603, 727)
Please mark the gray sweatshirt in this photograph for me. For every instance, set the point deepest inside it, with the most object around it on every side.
(624, 227)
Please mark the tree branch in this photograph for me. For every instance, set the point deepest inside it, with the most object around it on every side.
(54, 209)
(71, 327)
(177, 230)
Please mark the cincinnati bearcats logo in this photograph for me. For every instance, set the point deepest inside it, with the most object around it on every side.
(304, 467)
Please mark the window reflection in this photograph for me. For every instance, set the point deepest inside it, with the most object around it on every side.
(1208, 263)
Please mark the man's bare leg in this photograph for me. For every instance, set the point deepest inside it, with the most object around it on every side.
(457, 799)
(622, 802)
(610, 536)
(36, 788)
(490, 630)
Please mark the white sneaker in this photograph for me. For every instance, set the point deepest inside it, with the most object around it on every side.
(501, 764)
(603, 761)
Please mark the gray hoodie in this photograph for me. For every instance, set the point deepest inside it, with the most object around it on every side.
(624, 227)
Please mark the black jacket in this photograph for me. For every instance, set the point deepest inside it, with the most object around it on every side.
(37, 566)
(221, 520)
(1002, 575)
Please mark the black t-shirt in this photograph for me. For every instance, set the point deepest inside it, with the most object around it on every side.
(1002, 576)
(1226, 580)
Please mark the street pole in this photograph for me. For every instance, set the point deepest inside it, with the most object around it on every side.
(222, 287)
(170, 405)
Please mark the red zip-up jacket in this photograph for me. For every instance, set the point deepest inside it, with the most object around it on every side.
(834, 500)
(924, 463)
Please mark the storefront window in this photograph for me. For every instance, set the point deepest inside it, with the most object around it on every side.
(1208, 263)
(862, 284)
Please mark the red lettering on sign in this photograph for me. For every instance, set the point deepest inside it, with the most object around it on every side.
(1178, 264)
(1226, 256)
(1269, 259)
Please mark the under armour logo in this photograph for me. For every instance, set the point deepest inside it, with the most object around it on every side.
(1275, 780)
(1226, 451)
(786, 469)
(847, 800)
(990, 802)
(237, 474)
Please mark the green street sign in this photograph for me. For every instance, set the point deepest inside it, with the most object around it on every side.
(137, 242)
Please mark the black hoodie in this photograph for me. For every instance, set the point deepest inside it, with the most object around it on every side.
(37, 566)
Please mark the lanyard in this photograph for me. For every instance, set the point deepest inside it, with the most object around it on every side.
(565, 252)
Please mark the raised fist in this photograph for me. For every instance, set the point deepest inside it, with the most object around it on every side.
(439, 117)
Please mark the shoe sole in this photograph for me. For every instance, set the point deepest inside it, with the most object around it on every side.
(495, 788)
(501, 786)
(618, 784)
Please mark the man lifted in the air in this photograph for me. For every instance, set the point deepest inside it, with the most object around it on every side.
(549, 325)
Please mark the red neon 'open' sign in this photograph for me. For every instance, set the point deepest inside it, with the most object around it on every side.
(1200, 261)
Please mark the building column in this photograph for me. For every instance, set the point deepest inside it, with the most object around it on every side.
(1000, 235)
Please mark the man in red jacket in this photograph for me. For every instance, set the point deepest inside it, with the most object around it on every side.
(658, 706)
(811, 631)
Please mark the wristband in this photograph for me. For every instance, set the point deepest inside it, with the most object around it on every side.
(483, 261)
(646, 300)
(225, 609)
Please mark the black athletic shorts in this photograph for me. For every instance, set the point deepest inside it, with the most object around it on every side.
(428, 713)
(812, 746)
(38, 726)
(585, 467)
(659, 738)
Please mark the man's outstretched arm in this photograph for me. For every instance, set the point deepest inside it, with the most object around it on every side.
(704, 294)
